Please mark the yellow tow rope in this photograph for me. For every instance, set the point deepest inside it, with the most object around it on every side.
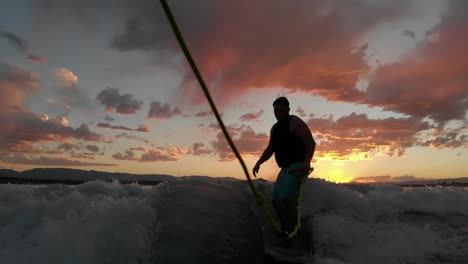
(258, 197)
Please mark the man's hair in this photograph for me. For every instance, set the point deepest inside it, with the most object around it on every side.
(281, 100)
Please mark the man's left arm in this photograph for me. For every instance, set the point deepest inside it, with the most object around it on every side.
(300, 129)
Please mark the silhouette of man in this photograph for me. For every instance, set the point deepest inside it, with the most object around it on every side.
(293, 145)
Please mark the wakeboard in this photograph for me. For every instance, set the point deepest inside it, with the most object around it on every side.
(277, 251)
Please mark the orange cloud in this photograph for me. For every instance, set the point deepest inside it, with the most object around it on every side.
(386, 178)
(66, 78)
(358, 135)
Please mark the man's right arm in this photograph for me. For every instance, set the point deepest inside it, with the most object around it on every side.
(267, 153)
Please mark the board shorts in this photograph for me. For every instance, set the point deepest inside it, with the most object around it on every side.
(288, 184)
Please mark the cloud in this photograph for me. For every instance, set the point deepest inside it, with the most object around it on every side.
(16, 86)
(68, 146)
(158, 154)
(202, 114)
(92, 148)
(22, 45)
(132, 137)
(123, 104)
(251, 116)
(238, 52)
(325, 61)
(21, 129)
(246, 141)
(89, 156)
(141, 128)
(162, 111)
(37, 59)
(447, 138)
(431, 81)
(16, 40)
(386, 178)
(198, 149)
(301, 112)
(46, 161)
(66, 78)
(409, 33)
(356, 134)
(68, 93)
(128, 155)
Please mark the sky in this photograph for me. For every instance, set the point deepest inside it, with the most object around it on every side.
(103, 85)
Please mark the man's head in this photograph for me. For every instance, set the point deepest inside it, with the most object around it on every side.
(281, 108)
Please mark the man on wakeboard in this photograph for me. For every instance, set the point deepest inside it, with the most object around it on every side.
(293, 145)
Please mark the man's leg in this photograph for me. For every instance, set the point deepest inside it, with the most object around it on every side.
(286, 210)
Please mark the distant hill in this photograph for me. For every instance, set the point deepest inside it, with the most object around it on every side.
(433, 182)
(75, 176)
(445, 182)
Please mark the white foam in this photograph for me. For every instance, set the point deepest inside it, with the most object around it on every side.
(101, 222)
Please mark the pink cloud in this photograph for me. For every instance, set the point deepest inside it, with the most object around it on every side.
(237, 49)
(251, 116)
(21, 129)
(432, 80)
(16, 86)
(246, 141)
(37, 59)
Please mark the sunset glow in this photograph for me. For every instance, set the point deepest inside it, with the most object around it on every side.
(382, 85)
